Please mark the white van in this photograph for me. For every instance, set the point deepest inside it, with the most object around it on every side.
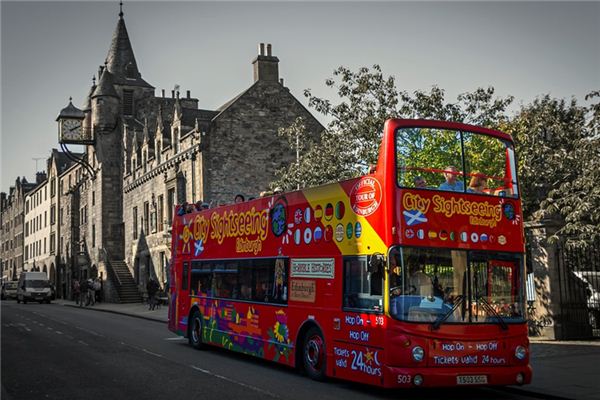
(33, 286)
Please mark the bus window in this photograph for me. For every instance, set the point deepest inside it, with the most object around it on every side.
(201, 279)
(431, 158)
(361, 289)
(422, 155)
(184, 276)
(456, 286)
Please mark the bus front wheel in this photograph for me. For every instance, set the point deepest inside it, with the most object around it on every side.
(314, 354)
(195, 336)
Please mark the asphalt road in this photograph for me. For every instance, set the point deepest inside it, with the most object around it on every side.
(56, 352)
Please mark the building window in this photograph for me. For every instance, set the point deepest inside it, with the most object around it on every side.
(127, 102)
(52, 243)
(93, 198)
(135, 223)
(52, 188)
(160, 212)
(146, 217)
(93, 235)
(170, 205)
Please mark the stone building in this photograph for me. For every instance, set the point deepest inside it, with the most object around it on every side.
(38, 218)
(12, 221)
(151, 152)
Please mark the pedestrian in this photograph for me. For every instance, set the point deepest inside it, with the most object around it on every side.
(152, 289)
(76, 291)
(83, 289)
(91, 293)
(97, 290)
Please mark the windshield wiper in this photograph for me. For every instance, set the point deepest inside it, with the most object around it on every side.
(460, 299)
(490, 309)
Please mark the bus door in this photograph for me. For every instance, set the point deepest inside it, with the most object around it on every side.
(183, 299)
(357, 347)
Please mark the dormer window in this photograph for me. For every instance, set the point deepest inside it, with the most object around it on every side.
(130, 71)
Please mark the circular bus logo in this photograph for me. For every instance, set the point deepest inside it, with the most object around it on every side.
(278, 219)
(365, 196)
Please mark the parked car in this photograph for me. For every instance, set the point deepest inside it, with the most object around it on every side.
(592, 283)
(34, 286)
(9, 290)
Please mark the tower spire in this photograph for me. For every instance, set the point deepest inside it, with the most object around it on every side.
(120, 60)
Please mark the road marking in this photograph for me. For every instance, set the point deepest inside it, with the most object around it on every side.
(175, 338)
(82, 342)
(59, 333)
(89, 331)
(256, 389)
(154, 354)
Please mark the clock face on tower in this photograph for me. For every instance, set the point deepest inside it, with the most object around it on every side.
(71, 130)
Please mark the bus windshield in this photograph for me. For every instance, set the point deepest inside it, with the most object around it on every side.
(428, 285)
(444, 159)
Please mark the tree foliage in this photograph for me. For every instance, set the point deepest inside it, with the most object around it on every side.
(367, 99)
(559, 164)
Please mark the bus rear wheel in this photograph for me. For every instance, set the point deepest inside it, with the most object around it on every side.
(314, 354)
(195, 334)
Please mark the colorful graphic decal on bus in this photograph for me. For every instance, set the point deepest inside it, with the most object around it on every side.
(365, 197)
(341, 218)
(361, 360)
(448, 219)
(236, 326)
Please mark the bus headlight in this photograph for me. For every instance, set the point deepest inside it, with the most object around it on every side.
(520, 353)
(418, 353)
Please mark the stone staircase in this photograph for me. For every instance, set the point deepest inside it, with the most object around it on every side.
(127, 289)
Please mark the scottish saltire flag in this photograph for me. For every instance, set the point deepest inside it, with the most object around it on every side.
(414, 217)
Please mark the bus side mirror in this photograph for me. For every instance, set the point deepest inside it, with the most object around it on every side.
(375, 263)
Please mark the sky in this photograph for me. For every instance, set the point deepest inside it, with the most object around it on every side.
(51, 50)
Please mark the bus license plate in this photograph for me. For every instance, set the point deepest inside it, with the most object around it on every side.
(471, 379)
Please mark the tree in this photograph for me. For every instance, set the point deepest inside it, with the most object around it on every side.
(367, 99)
(559, 159)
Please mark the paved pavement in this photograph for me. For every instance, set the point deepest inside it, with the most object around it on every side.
(561, 370)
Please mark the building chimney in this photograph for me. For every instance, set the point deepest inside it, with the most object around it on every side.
(188, 94)
(266, 67)
(163, 93)
(281, 81)
(40, 177)
(172, 94)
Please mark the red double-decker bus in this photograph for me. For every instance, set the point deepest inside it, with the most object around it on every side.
(412, 275)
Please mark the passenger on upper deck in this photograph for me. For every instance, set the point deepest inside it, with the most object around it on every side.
(451, 183)
(420, 182)
(478, 183)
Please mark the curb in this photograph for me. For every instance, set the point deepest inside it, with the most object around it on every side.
(118, 312)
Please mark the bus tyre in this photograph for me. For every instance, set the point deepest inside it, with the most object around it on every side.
(314, 354)
(195, 336)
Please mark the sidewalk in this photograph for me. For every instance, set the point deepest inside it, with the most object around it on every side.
(568, 370)
(138, 310)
